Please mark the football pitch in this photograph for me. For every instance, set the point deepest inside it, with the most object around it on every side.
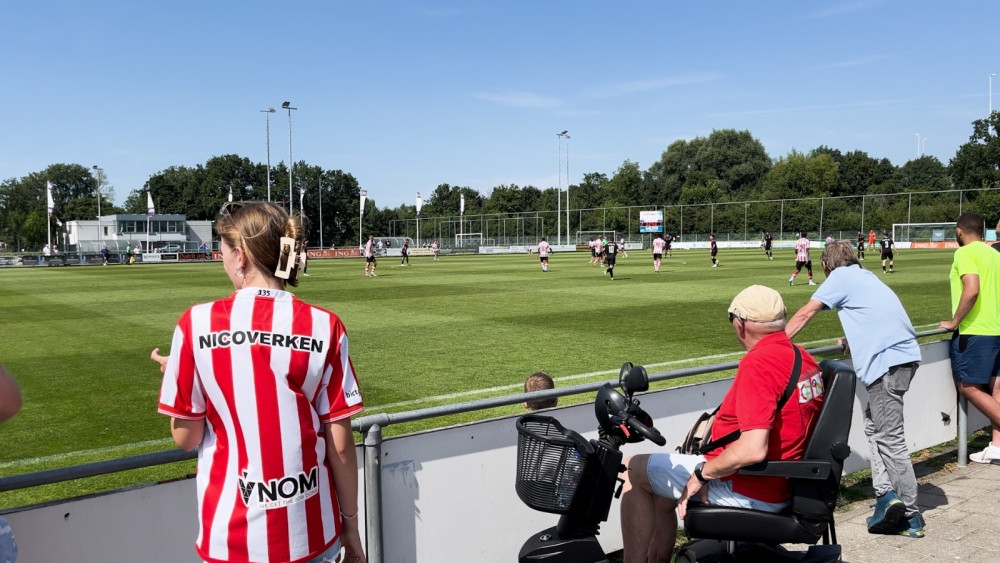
(78, 339)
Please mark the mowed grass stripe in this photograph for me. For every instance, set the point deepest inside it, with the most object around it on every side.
(78, 339)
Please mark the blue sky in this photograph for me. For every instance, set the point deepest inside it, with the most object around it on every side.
(407, 95)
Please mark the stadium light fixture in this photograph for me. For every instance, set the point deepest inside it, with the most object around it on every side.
(559, 188)
(97, 181)
(267, 119)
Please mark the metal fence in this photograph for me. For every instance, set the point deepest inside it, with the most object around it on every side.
(371, 428)
(842, 216)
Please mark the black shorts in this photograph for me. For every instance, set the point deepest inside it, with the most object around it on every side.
(593, 253)
(887, 255)
(808, 265)
(714, 252)
(667, 247)
(543, 259)
(657, 256)
(767, 246)
(610, 262)
(370, 259)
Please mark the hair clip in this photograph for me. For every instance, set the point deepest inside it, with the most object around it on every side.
(288, 252)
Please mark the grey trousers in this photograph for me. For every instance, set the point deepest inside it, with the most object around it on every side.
(892, 469)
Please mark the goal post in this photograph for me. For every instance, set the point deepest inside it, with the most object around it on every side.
(468, 239)
(923, 232)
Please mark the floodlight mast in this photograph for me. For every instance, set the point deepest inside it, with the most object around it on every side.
(291, 163)
(267, 119)
(559, 190)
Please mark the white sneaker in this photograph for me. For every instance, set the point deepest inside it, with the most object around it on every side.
(990, 455)
(812, 282)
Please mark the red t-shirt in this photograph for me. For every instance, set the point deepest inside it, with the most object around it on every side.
(752, 402)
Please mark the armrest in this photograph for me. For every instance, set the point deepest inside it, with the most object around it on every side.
(818, 470)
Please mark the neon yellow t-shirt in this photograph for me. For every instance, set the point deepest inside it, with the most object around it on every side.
(980, 259)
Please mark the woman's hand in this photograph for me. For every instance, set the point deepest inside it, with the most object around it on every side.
(162, 360)
(350, 538)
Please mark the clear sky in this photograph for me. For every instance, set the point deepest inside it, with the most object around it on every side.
(408, 95)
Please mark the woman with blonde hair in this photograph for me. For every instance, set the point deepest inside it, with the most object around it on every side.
(262, 384)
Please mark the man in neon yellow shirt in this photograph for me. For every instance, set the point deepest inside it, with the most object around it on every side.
(975, 346)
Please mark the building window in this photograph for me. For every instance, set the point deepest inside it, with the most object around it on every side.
(105, 231)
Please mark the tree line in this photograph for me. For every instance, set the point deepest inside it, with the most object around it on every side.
(724, 167)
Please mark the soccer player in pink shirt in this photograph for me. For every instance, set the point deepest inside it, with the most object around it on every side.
(370, 256)
(658, 245)
(802, 259)
(543, 254)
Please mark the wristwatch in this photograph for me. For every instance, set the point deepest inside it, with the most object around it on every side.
(697, 473)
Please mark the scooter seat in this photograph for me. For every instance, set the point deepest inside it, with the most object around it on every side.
(742, 524)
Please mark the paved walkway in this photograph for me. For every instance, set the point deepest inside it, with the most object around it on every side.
(962, 510)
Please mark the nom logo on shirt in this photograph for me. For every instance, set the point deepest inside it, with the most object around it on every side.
(277, 493)
(226, 338)
(811, 388)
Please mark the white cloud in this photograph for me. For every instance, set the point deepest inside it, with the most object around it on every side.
(855, 62)
(520, 100)
(614, 89)
(845, 8)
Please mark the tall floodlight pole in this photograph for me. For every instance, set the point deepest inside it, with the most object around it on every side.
(559, 190)
(267, 120)
(321, 211)
(419, 205)
(567, 189)
(291, 163)
(361, 217)
(991, 93)
(918, 144)
(97, 184)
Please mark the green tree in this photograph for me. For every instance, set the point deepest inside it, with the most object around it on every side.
(976, 164)
(923, 174)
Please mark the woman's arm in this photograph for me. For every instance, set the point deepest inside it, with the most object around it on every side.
(343, 461)
(187, 433)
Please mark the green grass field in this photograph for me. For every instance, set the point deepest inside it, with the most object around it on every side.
(78, 339)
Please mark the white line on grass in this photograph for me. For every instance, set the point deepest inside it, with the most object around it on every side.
(162, 441)
(85, 453)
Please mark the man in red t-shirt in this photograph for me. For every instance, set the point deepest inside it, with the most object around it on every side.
(657, 484)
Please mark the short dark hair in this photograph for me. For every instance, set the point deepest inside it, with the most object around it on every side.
(540, 381)
(972, 223)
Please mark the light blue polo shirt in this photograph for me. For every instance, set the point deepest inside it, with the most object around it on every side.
(877, 327)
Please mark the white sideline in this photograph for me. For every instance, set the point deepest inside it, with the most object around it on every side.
(161, 441)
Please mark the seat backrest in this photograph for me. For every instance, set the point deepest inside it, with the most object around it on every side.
(815, 499)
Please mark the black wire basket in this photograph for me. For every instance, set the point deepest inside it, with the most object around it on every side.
(551, 463)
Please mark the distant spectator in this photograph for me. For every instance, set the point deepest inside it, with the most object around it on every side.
(975, 346)
(10, 403)
(203, 246)
(540, 381)
(128, 254)
(885, 360)
(105, 254)
(47, 252)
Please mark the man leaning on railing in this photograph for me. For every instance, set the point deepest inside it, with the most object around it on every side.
(885, 353)
(10, 403)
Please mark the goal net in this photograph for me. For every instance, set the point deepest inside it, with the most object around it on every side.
(468, 239)
(923, 232)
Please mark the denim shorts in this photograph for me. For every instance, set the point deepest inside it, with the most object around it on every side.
(331, 555)
(669, 473)
(8, 547)
(974, 358)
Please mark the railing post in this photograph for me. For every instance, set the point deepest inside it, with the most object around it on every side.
(373, 492)
(963, 431)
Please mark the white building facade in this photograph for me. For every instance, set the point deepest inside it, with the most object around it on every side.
(165, 232)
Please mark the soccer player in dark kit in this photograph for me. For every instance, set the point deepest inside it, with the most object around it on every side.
(669, 239)
(610, 253)
(715, 251)
(405, 261)
(767, 243)
(861, 245)
(887, 251)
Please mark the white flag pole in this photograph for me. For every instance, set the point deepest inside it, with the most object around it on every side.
(50, 205)
(461, 215)
(150, 210)
(419, 204)
(361, 217)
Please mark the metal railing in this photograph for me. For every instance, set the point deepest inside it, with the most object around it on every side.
(371, 427)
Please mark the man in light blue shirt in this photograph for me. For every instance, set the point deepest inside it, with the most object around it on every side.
(883, 347)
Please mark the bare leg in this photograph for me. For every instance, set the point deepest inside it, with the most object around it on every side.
(987, 403)
(649, 522)
(995, 390)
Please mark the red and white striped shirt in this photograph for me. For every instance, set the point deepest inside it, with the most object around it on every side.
(802, 250)
(265, 371)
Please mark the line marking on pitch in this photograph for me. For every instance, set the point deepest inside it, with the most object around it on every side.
(85, 453)
(164, 441)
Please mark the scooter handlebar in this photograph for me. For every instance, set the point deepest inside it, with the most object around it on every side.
(651, 434)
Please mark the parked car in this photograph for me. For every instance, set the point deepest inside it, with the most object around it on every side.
(171, 248)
